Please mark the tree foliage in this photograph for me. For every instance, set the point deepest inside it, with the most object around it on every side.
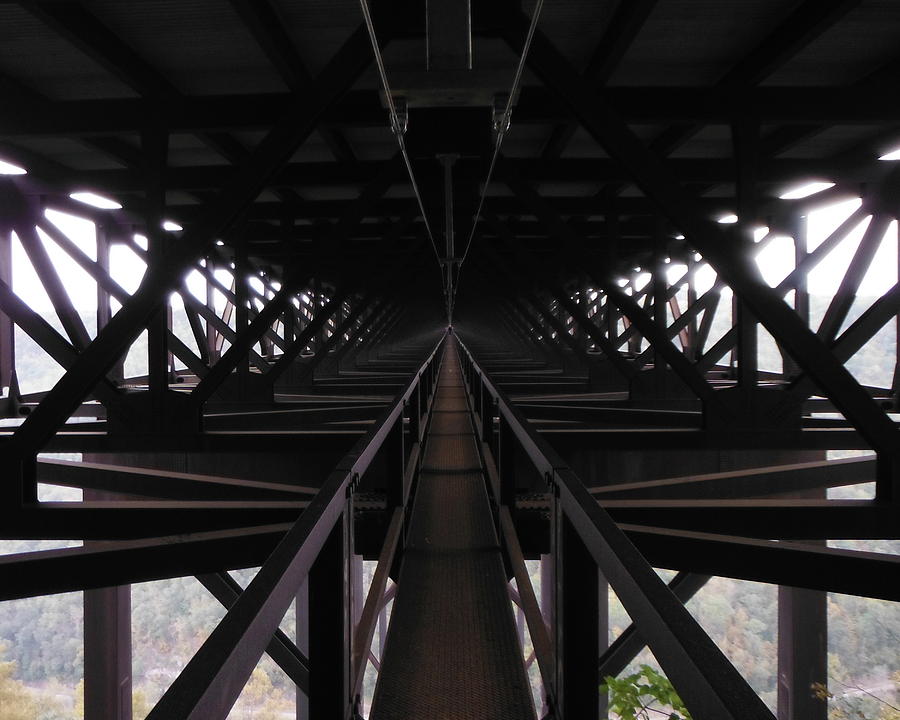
(16, 701)
(643, 695)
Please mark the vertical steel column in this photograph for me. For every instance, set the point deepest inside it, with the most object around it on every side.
(802, 653)
(7, 329)
(358, 598)
(578, 301)
(485, 411)
(329, 631)
(266, 343)
(317, 304)
(104, 304)
(612, 320)
(745, 136)
(107, 654)
(548, 597)
(242, 299)
(107, 647)
(584, 304)
(155, 149)
(478, 391)
(25, 486)
(895, 382)
(211, 334)
(287, 320)
(801, 291)
(634, 342)
(602, 630)
(577, 625)
(802, 646)
(506, 493)
(491, 437)
(394, 465)
(302, 625)
(414, 413)
(693, 352)
(660, 303)
(612, 254)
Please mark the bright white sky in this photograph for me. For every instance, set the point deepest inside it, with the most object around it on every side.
(126, 268)
(775, 261)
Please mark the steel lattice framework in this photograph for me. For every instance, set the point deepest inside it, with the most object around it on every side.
(291, 330)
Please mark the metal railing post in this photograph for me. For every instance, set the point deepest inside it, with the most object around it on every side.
(505, 494)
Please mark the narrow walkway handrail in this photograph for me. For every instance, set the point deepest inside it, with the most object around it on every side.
(709, 684)
(212, 681)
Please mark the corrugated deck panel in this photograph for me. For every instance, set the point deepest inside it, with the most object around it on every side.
(452, 651)
(450, 423)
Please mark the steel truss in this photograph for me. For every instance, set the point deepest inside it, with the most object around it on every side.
(299, 385)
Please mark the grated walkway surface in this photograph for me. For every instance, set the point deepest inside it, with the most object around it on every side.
(451, 650)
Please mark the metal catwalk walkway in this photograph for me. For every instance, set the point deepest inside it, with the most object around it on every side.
(452, 650)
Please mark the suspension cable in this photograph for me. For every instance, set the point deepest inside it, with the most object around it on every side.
(398, 128)
(501, 127)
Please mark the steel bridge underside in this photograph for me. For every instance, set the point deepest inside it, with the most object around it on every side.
(522, 392)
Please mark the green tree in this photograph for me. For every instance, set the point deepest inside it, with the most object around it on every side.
(79, 699)
(50, 703)
(16, 701)
(644, 695)
(260, 700)
(140, 704)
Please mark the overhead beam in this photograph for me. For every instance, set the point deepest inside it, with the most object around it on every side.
(46, 572)
(291, 441)
(752, 482)
(805, 23)
(126, 520)
(819, 106)
(782, 519)
(268, 29)
(162, 484)
(80, 28)
(851, 572)
(570, 171)
(620, 33)
(717, 438)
